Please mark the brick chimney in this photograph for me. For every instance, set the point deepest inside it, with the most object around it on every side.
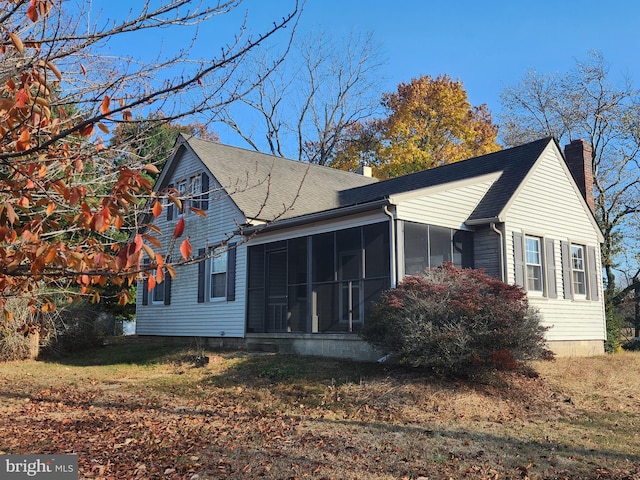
(578, 155)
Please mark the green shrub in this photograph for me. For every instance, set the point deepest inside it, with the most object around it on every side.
(615, 323)
(459, 323)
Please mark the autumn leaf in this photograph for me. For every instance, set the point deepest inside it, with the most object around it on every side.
(24, 141)
(55, 70)
(185, 249)
(198, 211)
(22, 97)
(159, 274)
(11, 213)
(171, 270)
(176, 201)
(32, 12)
(87, 130)
(150, 168)
(152, 240)
(157, 209)
(179, 230)
(104, 107)
(151, 282)
(16, 42)
(138, 242)
(149, 251)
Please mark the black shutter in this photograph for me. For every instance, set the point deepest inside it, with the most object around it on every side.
(231, 272)
(145, 285)
(592, 274)
(170, 206)
(167, 289)
(204, 198)
(566, 270)
(550, 266)
(518, 258)
(201, 275)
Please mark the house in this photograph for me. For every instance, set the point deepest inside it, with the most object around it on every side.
(296, 254)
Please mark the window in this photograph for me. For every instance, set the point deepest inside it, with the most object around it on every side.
(578, 270)
(534, 264)
(218, 274)
(196, 189)
(429, 246)
(182, 193)
(157, 295)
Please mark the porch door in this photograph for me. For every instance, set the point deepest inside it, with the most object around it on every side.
(277, 291)
(350, 291)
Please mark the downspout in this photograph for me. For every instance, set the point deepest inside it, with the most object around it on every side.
(392, 242)
(495, 229)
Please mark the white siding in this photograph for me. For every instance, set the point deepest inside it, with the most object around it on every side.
(549, 206)
(185, 316)
(446, 208)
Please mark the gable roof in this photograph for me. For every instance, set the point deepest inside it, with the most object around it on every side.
(265, 187)
(285, 192)
(514, 163)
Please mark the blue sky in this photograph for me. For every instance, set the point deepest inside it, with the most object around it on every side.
(488, 44)
(485, 44)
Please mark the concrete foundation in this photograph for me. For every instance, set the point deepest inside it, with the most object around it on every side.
(577, 348)
(347, 346)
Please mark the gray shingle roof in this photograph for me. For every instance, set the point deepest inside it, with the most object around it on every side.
(265, 187)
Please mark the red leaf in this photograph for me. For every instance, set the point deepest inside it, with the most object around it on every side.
(21, 98)
(179, 230)
(32, 12)
(138, 242)
(185, 249)
(87, 130)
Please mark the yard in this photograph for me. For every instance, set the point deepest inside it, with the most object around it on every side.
(138, 411)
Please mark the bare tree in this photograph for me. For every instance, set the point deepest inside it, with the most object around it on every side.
(64, 205)
(584, 104)
(323, 87)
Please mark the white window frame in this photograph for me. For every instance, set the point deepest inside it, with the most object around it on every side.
(530, 263)
(182, 194)
(577, 270)
(196, 191)
(218, 266)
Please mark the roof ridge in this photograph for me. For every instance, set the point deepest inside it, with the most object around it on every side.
(278, 158)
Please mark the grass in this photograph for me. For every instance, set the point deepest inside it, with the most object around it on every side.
(153, 412)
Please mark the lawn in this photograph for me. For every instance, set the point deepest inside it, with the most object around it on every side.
(136, 411)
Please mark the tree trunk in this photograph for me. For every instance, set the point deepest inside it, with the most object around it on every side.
(34, 344)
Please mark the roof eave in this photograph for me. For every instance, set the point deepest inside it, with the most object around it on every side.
(485, 221)
(314, 217)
